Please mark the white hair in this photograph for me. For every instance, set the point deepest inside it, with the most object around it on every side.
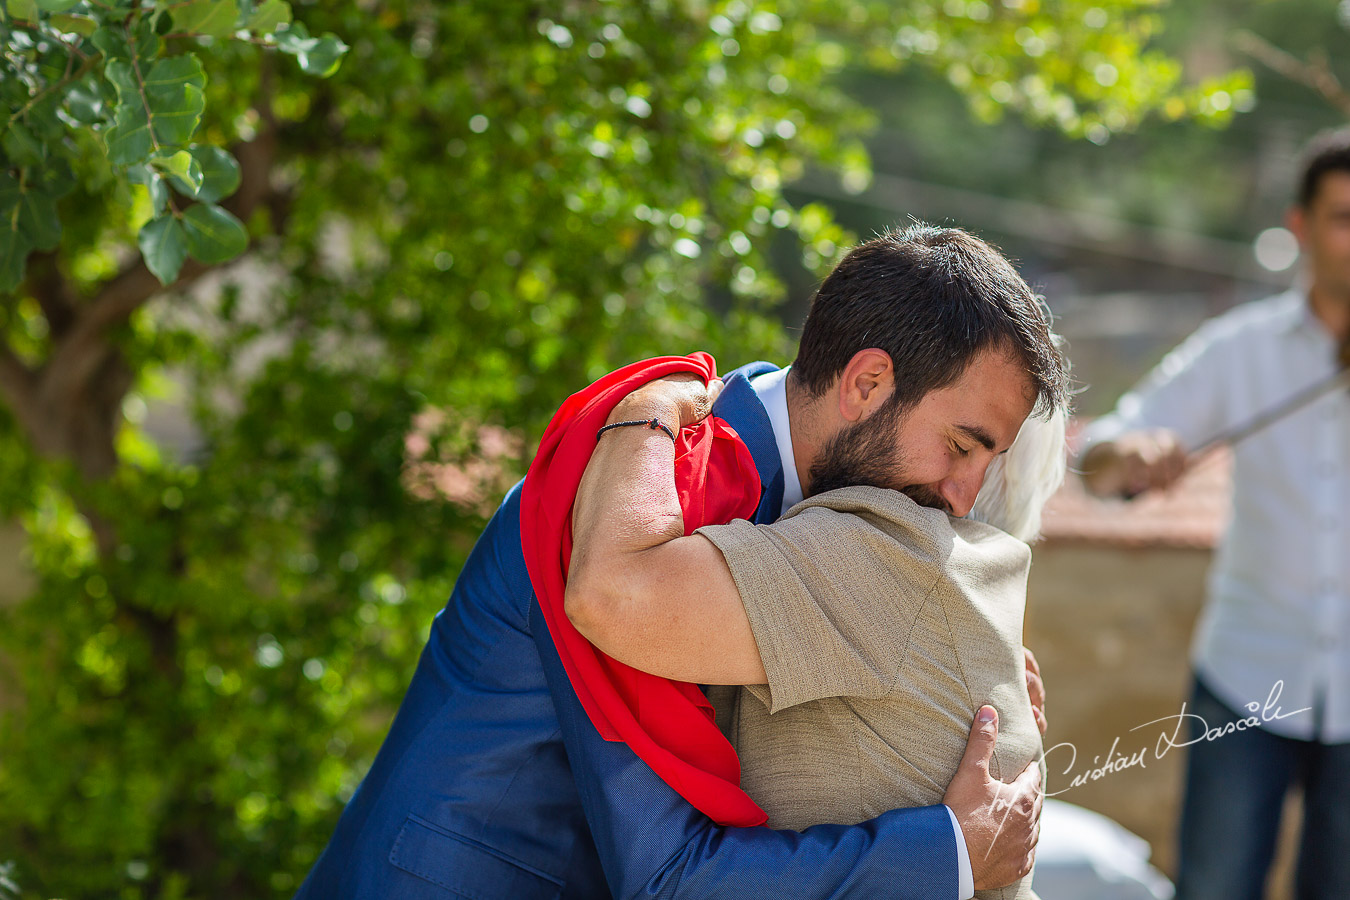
(1019, 482)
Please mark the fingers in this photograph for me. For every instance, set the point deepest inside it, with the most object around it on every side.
(1027, 789)
(983, 736)
(1035, 690)
(704, 400)
(1002, 825)
(681, 396)
(1027, 802)
(1029, 779)
(1032, 665)
(1169, 458)
(1151, 460)
(696, 399)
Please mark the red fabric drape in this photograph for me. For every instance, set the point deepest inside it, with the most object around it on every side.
(668, 724)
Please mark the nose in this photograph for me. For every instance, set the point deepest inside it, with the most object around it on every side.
(960, 490)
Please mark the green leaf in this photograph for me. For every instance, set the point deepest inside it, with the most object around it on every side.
(38, 219)
(213, 235)
(117, 42)
(84, 103)
(123, 77)
(220, 172)
(43, 121)
(14, 247)
(159, 194)
(27, 218)
(141, 174)
(216, 18)
(154, 183)
(129, 140)
(269, 16)
(20, 146)
(323, 60)
(144, 40)
(77, 24)
(112, 42)
(317, 56)
(9, 196)
(164, 244)
(174, 89)
(56, 5)
(22, 9)
(184, 172)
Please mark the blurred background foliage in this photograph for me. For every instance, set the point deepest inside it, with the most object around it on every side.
(244, 495)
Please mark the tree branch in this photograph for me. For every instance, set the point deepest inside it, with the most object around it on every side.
(59, 305)
(1314, 73)
(16, 379)
(18, 385)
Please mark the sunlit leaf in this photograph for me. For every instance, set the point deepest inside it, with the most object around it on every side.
(74, 24)
(26, 10)
(316, 55)
(216, 18)
(268, 16)
(182, 170)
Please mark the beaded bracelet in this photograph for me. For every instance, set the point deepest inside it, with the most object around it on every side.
(653, 423)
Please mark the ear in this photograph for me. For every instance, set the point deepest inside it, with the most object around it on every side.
(1296, 220)
(866, 382)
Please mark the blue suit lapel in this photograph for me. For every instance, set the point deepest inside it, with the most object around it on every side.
(740, 406)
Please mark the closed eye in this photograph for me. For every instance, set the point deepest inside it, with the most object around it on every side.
(976, 434)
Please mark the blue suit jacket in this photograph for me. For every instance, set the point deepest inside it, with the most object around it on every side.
(494, 785)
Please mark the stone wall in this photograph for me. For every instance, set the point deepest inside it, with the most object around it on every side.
(1111, 628)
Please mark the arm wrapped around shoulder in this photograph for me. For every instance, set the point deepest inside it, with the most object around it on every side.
(883, 627)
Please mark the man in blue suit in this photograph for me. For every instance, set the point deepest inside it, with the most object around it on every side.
(494, 785)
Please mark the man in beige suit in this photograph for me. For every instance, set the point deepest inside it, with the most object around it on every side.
(923, 354)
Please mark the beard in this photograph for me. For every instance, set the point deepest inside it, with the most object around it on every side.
(866, 453)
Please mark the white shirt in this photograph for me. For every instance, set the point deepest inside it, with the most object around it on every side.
(1279, 588)
(771, 388)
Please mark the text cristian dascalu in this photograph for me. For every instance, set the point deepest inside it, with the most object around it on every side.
(1260, 714)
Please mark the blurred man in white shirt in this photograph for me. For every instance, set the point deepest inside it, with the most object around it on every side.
(1273, 643)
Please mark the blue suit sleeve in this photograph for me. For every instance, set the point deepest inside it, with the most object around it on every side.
(654, 844)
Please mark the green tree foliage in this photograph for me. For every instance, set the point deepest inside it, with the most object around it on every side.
(484, 206)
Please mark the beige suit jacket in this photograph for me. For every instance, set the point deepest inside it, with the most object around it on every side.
(883, 627)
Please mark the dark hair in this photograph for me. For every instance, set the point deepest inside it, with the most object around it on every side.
(1328, 151)
(934, 299)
